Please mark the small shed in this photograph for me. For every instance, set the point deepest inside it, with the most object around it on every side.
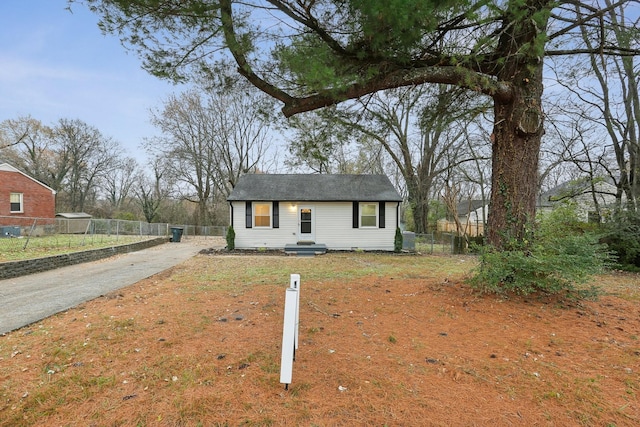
(73, 222)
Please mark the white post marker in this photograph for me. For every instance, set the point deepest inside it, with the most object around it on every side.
(290, 331)
(295, 284)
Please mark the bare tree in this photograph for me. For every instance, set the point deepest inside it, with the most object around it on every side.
(87, 156)
(118, 185)
(187, 147)
(477, 172)
(243, 119)
(315, 144)
(209, 138)
(422, 130)
(452, 196)
(19, 131)
(27, 144)
(152, 190)
(621, 119)
(597, 124)
(323, 143)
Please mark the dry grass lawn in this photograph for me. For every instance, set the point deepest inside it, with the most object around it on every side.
(384, 340)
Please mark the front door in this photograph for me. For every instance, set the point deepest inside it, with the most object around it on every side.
(306, 224)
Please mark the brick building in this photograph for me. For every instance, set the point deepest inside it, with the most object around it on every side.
(23, 198)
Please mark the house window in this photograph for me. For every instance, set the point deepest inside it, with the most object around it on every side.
(368, 214)
(262, 214)
(15, 199)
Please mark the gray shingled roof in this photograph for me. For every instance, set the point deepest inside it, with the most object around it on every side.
(468, 206)
(298, 187)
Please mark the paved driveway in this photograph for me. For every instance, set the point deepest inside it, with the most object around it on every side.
(27, 299)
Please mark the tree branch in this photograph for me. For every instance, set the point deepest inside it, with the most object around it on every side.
(596, 13)
(607, 50)
(312, 23)
(501, 91)
(394, 78)
(244, 68)
(21, 138)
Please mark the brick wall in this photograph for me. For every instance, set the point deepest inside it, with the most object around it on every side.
(38, 201)
(21, 268)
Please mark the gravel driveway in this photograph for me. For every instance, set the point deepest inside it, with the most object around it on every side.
(28, 299)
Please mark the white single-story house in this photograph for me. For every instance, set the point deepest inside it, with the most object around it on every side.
(343, 212)
(471, 215)
(473, 211)
(582, 192)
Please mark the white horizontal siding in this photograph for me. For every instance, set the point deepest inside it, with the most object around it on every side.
(332, 226)
(261, 237)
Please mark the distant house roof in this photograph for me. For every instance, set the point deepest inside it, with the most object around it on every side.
(6, 167)
(314, 187)
(466, 207)
(572, 189)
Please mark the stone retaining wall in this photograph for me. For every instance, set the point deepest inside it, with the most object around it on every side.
(21, 268)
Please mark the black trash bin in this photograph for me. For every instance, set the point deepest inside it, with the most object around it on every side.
(176, 234)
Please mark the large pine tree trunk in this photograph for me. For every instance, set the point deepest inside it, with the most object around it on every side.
(517, 135)
(518, 125)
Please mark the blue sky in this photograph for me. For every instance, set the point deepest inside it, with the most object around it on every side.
(57, 64)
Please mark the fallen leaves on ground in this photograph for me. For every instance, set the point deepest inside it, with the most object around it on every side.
(412, 348)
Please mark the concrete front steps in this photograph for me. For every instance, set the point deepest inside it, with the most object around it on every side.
(305, 249)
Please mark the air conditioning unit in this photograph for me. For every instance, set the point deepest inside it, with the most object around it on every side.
(9, 231)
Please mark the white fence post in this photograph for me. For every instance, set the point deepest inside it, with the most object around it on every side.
(290, 330)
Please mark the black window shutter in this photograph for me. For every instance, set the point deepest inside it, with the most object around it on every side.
(248, 215)
(381, 215)
(356, 213)
(276, 214)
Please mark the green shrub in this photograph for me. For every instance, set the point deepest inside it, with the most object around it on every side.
(476, 243)
(622, 235)
(397, 241)
(231, 238)
(561, 255)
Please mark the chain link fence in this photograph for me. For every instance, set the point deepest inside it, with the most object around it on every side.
(430, 243)
(22, 233)
(445, 243)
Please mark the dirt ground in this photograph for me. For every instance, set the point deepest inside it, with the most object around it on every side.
(405, 347)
